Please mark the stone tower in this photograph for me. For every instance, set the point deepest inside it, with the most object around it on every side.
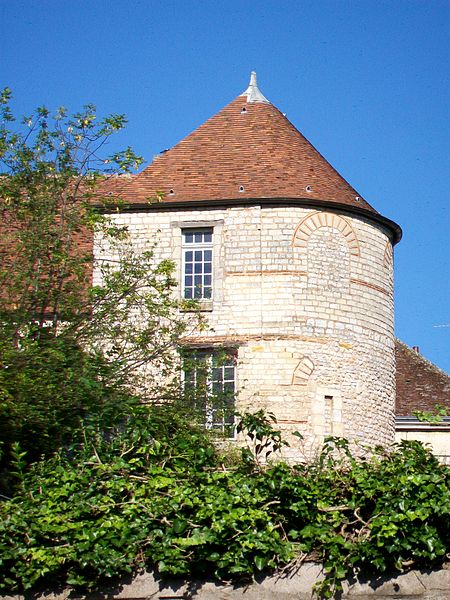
(291, 267)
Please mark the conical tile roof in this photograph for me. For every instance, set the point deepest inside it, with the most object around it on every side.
(247, 150)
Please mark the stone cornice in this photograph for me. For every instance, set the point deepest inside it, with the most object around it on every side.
(393, 228)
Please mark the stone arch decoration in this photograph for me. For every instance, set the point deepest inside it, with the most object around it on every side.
(309, 224)
(303, 371)
(388, 255)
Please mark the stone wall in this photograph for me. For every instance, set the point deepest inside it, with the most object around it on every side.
(307, 297)
(430, 585)
(435, 437)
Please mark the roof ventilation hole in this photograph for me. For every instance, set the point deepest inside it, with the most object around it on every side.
(358, 199)
(171, 192)
(244, 110)
(241, 188)
(308, 188)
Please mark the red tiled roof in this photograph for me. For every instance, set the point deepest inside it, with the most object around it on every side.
(420, 384)
(247, 150)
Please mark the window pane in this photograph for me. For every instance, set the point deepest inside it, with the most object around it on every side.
(217, 374)
(198, 255)
(198, 268)
(228, 387)
(197, 293)
(198, 237)
(188, 237)
(207, 237)
(188, 293)
(207, 267)
(229, 373)
(208, 255)
(207, 292)
(188, 256)
(188, 268)
(189, 378)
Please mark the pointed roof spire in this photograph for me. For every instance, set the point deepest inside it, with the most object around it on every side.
(252, 92)
(248, 150)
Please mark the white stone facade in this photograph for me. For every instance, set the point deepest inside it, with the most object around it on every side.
(306, 297)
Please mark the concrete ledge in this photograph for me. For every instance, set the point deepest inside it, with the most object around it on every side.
(425, 585)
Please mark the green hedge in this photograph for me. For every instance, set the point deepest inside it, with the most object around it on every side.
(155, 493)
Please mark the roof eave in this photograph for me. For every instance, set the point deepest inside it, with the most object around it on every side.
(394, 229)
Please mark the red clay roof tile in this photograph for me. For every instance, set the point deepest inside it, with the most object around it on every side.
(420, 384)
(247, 150)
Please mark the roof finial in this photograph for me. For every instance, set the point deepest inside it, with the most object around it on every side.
(252, 92)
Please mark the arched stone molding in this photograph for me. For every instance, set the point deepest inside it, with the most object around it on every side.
(388, 255)
(303, 371)
(315, 221)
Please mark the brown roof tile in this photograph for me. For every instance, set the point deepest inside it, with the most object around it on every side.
(420, 384)
(247, 150)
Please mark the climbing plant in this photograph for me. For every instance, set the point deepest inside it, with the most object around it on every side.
(156, 493)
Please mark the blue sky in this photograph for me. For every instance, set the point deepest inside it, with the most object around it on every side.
(366, 81)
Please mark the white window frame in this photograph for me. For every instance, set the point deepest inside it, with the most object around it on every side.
(198, 293)
(205, 358)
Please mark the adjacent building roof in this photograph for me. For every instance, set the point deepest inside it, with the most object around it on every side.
(420, 385)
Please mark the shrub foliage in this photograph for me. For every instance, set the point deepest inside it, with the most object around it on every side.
(156, 493)
(70, 352)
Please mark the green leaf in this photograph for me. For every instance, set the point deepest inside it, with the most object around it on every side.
(179, 525)
(261, 562)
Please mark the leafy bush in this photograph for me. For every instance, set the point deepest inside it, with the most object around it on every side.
(380, 514)
(70, 352)
(48, 390)
(153, 493)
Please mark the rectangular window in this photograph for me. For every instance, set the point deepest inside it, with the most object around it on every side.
(210, 384)
(197, 270)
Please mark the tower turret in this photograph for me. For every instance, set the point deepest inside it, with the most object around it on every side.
(291, 266)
